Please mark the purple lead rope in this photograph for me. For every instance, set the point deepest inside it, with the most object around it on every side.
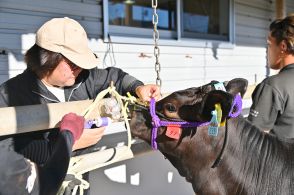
(156, 122)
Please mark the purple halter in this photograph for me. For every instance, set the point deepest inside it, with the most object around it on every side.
(156, 122)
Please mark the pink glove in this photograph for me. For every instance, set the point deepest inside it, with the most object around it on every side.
(74, 124)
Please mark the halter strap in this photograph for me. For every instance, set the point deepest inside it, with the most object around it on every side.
(235, 111)
(156, 122)
(236, 108)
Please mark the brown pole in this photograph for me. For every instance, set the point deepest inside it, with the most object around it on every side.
(280, 9)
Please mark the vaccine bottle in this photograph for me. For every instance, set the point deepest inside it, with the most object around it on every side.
(99, 122)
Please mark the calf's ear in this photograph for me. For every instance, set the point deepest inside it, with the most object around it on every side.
(237, 85)
(216, 97)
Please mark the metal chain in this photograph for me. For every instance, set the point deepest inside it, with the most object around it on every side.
(156, 38)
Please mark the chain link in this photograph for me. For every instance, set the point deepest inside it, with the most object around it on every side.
(156, 38)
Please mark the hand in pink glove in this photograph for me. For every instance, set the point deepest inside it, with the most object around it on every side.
(74, 124)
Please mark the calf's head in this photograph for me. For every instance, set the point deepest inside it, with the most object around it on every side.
(193, 104)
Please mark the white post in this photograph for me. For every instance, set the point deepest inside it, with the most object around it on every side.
(280, 9)
(23, 119)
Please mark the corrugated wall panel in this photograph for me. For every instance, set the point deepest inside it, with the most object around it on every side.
(58, 7)
(250, 10)
(260, 4)
(252, 20)
(191, 64)
(11, 23)
(290, 6)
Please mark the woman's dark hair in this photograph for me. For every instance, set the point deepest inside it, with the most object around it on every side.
(283, 30)
(41, 61)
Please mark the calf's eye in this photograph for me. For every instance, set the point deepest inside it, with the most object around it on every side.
(170, 107)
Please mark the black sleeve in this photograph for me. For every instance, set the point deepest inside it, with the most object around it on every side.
(22, 177)
(266, 105)
(53, 172)
(19, 176)
(36, 146)
(123, 82)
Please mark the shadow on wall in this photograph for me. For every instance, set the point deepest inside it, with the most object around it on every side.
(214, 50)
(3, 65)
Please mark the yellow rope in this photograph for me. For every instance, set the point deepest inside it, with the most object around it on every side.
(75, 161)
(111, 90)
(83, 186)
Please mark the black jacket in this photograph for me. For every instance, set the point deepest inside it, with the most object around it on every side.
(22, 178)
(27, 89)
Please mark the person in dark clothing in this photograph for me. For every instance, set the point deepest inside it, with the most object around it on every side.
(20, 176)
(60, 68)
(273, 98)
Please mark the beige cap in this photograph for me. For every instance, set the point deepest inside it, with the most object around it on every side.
(68, 37)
